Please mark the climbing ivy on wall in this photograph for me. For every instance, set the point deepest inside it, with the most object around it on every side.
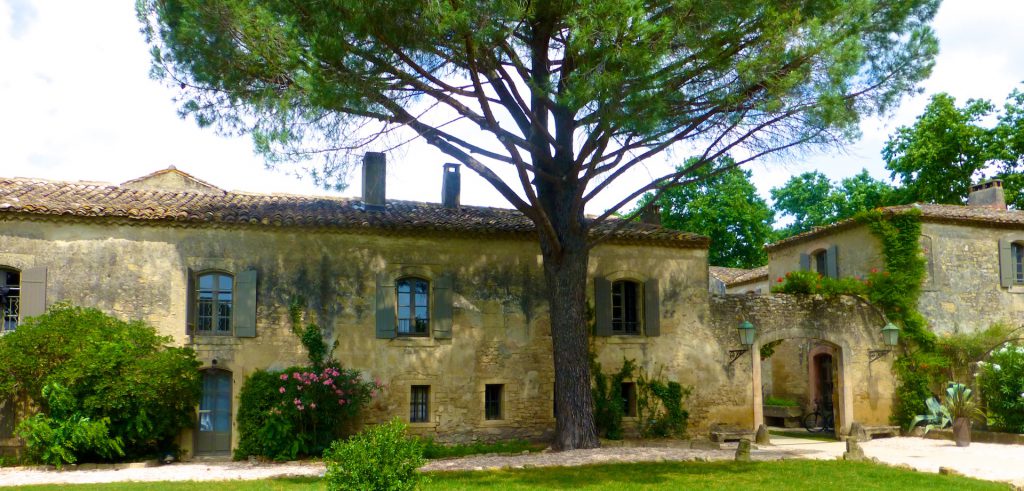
(897, 294)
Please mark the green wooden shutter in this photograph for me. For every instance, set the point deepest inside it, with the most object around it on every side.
(832, 262)
(1006, 266)
(385, 305)
(33, 292)
(190, 302)
(652, 308)
(602, 307)
(244, 308)
(805, 262)
(442, 304)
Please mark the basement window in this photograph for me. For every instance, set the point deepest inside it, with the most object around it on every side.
(493, 402)
(627, 391)
(419, 404)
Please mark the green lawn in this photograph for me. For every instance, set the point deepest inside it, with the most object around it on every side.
(789, 474)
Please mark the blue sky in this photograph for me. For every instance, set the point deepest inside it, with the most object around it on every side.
(76, 103)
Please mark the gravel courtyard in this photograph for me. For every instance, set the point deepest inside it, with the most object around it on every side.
(980, 460)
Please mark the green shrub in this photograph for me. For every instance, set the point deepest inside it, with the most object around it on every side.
(60, 439)
(299, 411)
(1002, 385)
(380, 458)
(780, 401)
(660, 408)
(114, 371)
(609, 408)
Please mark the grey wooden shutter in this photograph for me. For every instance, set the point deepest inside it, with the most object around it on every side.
(244, 308)
(385, 306)
(1006, 266)
(652, 308)
(442, 315)
(805, 262)
(190, 302)
(602, 307)
(832, 262)
(33, 292)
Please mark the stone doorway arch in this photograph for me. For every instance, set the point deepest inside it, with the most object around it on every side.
(830, 347)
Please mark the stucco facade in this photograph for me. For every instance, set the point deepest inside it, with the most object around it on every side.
(489, 314)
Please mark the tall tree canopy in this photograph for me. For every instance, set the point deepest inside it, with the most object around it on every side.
(726, 207)
(566, 95)
(812, 200)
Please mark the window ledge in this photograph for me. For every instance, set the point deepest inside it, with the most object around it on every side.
(490, 423)
(1016, 289)
(217, 340)
(410, 341)
(625, 339)
(426, 426)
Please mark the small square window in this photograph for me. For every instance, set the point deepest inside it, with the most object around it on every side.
(627, 391)
(419, 404)
(493, 394)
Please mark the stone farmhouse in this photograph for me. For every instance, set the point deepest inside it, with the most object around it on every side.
(442, 302)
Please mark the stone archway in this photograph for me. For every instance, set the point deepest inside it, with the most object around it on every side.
(840, 353)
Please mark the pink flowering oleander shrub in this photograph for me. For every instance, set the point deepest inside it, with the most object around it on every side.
(285, 414)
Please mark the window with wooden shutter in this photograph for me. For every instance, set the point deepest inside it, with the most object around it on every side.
(652, 308)
(215, 303)
(805, 262)
(10, 299)
(1006, 262)
(443, 307)
(602, 307)
(385, 307)
(245, 304)
(33, 292)
(832, 262)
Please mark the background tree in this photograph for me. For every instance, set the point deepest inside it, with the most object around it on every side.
(938, 158)
(726, 207)
(560, 97)
(812, 200)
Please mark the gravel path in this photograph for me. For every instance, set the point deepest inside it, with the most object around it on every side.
(981, 460)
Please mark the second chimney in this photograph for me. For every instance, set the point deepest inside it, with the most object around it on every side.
(374, 179)
(988, 194)
(451, 186)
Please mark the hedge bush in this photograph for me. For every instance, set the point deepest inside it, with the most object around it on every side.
(380, 458)
(105, 369)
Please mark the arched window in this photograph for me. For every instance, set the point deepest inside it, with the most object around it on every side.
(413, 295)
(214, 297)
(819, 260)
(10, 298)
(1017, 254)
(625, 307)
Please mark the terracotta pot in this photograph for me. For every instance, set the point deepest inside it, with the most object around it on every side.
(962, 431)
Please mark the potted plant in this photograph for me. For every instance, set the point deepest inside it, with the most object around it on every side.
(962, 409)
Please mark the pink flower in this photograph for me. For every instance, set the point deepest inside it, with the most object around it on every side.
(312, 405)
(297, 401)
(341, 402)
(281, 390)
(296, 375)
(301, 408)
(373, 393)
(329, 382)
(284, 376)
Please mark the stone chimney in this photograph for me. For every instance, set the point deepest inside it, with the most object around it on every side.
(374, 179)
(988, 194)
(451, 186)
(651, 215)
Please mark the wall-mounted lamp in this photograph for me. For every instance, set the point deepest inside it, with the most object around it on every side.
(891, 337)
(746, 331)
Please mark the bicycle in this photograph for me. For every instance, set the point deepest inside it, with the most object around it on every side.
(819, 420)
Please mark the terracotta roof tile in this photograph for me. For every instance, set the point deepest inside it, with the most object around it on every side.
(968, 215)
(737, 276)
(43, 198)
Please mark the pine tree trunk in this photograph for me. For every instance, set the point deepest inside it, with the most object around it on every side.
(566, 278)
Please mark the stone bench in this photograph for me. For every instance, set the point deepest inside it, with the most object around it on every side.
(730, 435)
(866, 433)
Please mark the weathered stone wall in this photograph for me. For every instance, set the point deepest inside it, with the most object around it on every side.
(865, 387)
(501, 332)
(965, 294)
(858, 252)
